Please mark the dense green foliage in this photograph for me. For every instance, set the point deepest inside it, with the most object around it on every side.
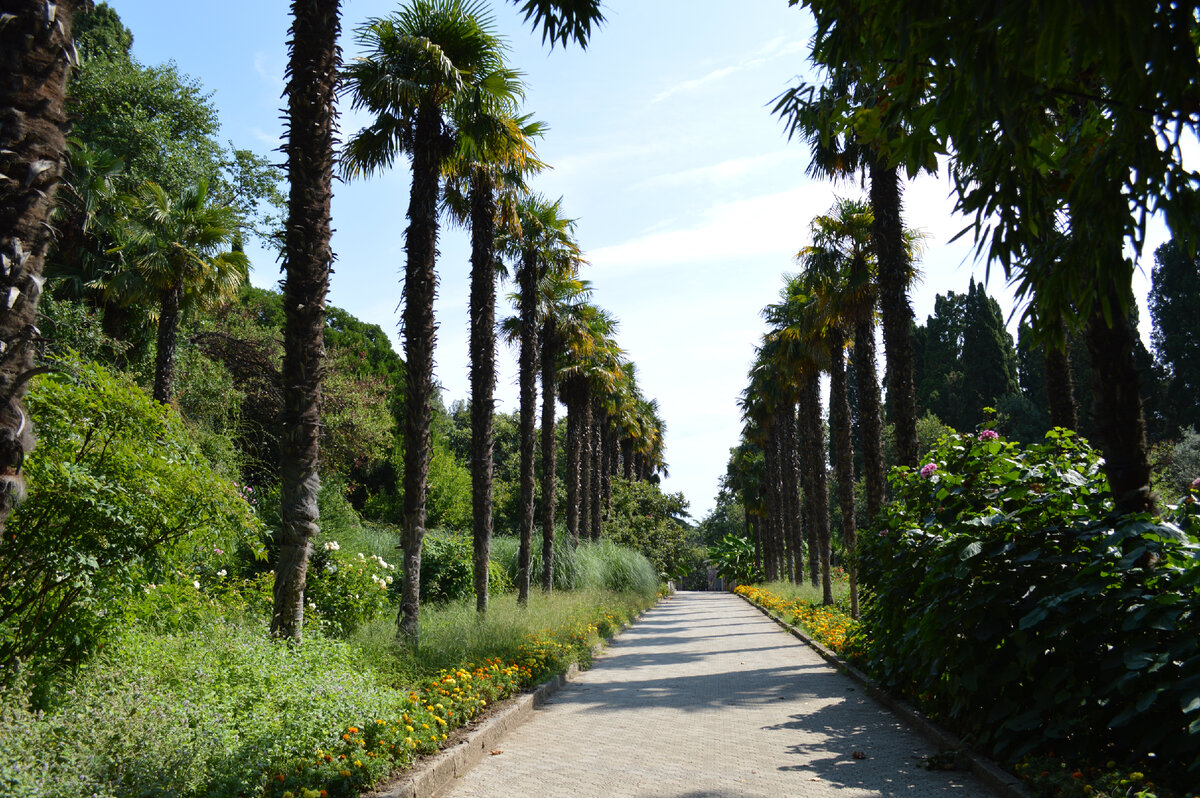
(997, 569)
(650, 521)
(1176, 335)
(119, 497)
(733, 557)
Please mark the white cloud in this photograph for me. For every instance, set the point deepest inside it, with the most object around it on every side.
(776, 48)
(728, 171)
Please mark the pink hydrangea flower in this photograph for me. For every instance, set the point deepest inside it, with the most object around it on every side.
(928, 469)
(1196, 483)
(989, 435)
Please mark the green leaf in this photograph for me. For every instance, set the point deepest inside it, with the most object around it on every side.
(970, 550)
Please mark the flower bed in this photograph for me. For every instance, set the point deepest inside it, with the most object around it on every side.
(828, 624)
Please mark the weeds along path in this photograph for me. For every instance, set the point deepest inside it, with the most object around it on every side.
(704, 696)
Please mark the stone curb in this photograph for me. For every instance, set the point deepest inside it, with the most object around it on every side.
(428, 776)
(985, 769)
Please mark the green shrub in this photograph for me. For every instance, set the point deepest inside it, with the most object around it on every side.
(650, 521)
(733, 557)
(118, 498)
(345, 588)
(1005, 598)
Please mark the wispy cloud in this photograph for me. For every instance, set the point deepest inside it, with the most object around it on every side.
(728, 171)
(776, 48)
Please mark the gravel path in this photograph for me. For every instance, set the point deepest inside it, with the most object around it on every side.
(704, 696)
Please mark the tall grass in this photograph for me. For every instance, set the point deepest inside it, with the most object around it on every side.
(601, 565)
(790, 591)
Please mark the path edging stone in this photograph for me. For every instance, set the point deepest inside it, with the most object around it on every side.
(985, 769)
(429, 775)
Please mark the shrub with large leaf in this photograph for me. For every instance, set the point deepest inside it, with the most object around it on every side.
(118, 497)
(1009, 601)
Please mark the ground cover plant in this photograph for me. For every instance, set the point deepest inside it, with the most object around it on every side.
(996, 570)
(218, 709)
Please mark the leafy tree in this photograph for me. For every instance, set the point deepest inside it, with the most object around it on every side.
(117, 492)
(652, 522)
(989, 365)
(35, 56)
(1175, 286)
(99, 33)
(1087, 132)
(418, 63)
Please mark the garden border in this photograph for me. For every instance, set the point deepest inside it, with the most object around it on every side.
(429, 775)
(985, 769)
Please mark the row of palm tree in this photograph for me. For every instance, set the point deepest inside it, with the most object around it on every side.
(435, 79)
(825, 312)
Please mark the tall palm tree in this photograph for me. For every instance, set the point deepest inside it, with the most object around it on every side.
(420, 61)
(174, 251)
(545, 241)
(36, 51)
(809, 111)
(315, 59)
(484, 178)
(562, 294)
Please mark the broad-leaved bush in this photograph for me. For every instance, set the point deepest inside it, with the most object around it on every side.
(1006, 599)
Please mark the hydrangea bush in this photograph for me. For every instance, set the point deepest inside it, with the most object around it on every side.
(1007, 600)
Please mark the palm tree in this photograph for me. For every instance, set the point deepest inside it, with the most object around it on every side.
(484, 177)
(420, 61)
(36, 51)
(544, 242)
(174, 250)
(312, 81)
(809, 111)
(562, 295)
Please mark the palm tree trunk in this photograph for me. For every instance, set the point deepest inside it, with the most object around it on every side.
(770, 509)
(420, 284)
(887, 234)
(819, 497)
(34, 61)
(483, 376)
(1060, 385)
(627, 459)
(549, 447)
(596, 501)
(164, 356)
(792, 491)
(585, 464)
(573, 463)
(608, 442)
(870, 416)
(839, 403)
(1118, 404)
(527, 367)
(315, 60)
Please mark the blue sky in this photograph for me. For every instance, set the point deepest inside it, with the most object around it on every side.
(690, 201)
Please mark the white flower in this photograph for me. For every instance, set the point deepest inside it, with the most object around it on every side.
(196, 584)
(332, 545)
(331, 569)
(360, 556)
(221, 572)
(389, 580)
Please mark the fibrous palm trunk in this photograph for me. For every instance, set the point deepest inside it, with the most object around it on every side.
(1060, 385)
(1118, 404)
(770, 509)
(312, 81)
(627, 458)
(839, 403)
(549, 446)
(818, 496)
(792, 489)
(608, 438)
(420, 287)
(596, 500)
(585, 465)
(483, 376)
(573, 462)
(870, 415)
(527, 367)
(34, 61)
(164, 356)
(887, 234)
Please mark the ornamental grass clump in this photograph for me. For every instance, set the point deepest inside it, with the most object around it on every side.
(1005, 597)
